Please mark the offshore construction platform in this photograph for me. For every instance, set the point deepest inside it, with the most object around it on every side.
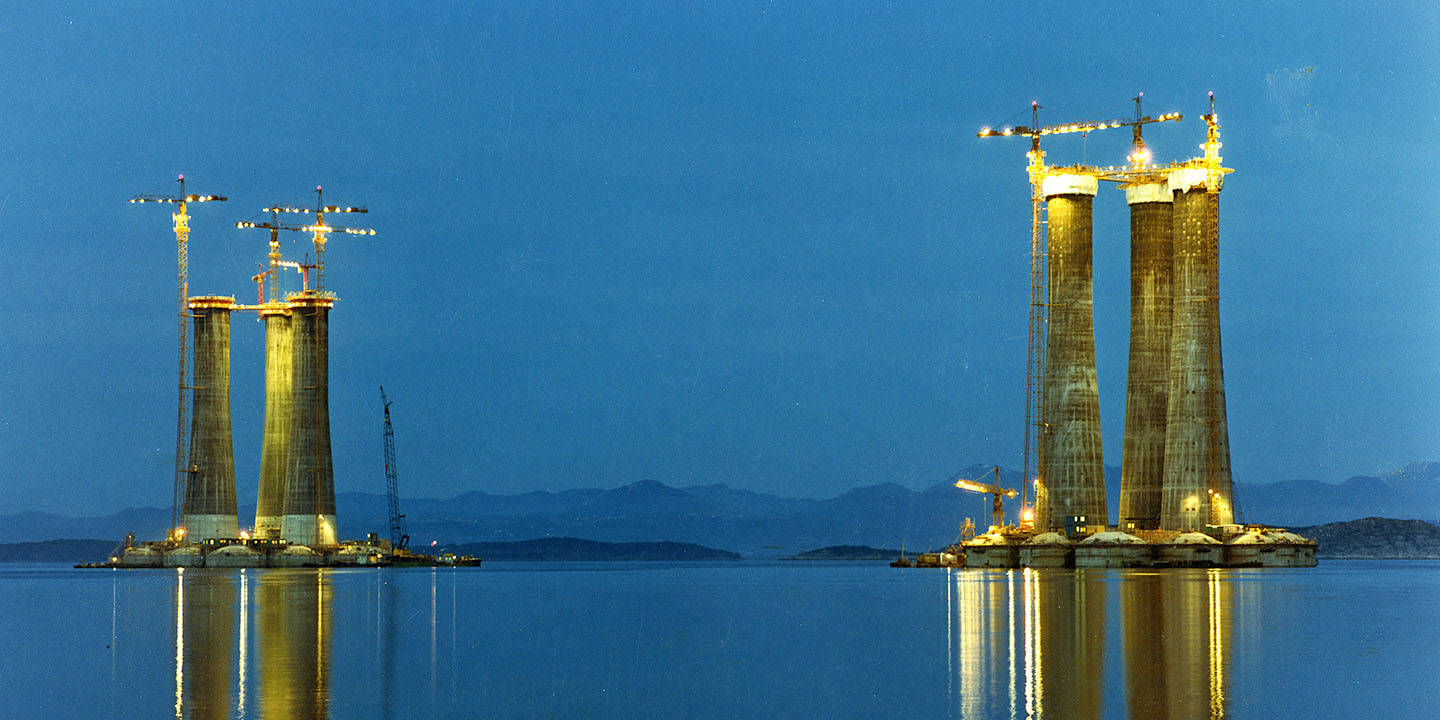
(295, 518)
(1177, 503)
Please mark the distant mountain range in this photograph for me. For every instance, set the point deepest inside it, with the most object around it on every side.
(1410, 492)
(760, 524)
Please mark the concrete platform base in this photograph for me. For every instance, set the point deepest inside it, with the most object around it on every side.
(259, 553)
(1112, 549)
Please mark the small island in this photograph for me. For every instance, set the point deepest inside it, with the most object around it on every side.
(578, 549)
(845, 553)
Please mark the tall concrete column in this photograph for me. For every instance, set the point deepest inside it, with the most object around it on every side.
(1074, 480)
(1197, 489)
(309, 479)
(1142, 470)
(210, 490)
(275, 448)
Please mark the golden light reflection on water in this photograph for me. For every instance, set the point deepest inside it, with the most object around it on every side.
(244, 641)
(1021, 643)
(212, 664)
(204, 643)
(294, 630)
(1032, 643)
(1177, 627)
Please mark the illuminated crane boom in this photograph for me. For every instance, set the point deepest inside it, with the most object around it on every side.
(274, 226)
(319, 229)
(997, 493)
(181, 218)
(1088, 126)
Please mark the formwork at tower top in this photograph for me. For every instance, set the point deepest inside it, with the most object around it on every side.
(1175, 470)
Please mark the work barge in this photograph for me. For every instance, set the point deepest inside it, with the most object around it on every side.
(1235, 547)
(295, 522)
(272, 553)
(1230, 547)
(1177, 505)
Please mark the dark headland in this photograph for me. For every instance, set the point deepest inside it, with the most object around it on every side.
(846, 553)
(1376, 537)
(577, 549)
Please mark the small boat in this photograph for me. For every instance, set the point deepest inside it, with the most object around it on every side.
(902, 562)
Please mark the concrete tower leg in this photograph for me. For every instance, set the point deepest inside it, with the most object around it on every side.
(210, 492)
(1074, 481)
(1197, 490)
(309, 479)
(275, 450)
(1222, 486)
(1142, 470)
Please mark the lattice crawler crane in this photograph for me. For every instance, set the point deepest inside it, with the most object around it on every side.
(399, 540)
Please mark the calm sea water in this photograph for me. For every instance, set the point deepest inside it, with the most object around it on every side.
(647, 640)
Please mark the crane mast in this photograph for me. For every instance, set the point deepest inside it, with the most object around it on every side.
(319, 230)
(181, 219)
(398, 539)
(274, 226)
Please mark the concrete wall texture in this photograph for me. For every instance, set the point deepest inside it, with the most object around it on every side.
(1197, 487)
(1073, 480)
(275, 447)
(1142, 469)
(309, 480)
(210, 491)
(1175, 473)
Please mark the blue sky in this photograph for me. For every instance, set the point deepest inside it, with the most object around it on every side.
(748, 243)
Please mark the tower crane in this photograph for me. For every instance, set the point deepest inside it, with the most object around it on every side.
(181, 219)
(1035, 131)
(398, 539)
(997, 493)
(1039, 300)
(274, 226)
(1214, 171)
(320, 230)
(274, 272)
